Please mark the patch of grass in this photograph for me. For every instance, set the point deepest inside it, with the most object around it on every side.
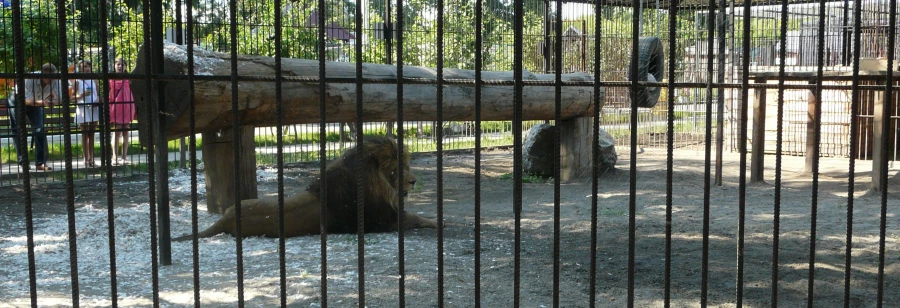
(528, 178)
(458, 145)
(272, 158)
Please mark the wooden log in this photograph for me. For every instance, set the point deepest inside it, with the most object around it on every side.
(576, 142)
(256, 99)
(758, 151)
(218, 156)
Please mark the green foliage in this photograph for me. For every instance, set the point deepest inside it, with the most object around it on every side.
(40, 37)
(128, 34)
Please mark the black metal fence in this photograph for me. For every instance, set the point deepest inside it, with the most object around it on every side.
(679, 222)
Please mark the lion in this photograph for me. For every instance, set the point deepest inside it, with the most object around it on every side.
(380, 165)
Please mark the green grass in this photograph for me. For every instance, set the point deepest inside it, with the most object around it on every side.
(456, 145)
(528, 178)
(272, 158)
(56, 151)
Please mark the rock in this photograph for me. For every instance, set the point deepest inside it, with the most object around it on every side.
(538, 150)
(607, 153)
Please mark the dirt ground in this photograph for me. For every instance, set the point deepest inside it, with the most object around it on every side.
(218, 282)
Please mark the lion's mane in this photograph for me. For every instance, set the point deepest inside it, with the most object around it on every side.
(377, 167)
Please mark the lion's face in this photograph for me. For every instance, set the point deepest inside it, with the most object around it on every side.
(384, 153)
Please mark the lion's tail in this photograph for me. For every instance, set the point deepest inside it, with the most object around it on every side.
(213, 230)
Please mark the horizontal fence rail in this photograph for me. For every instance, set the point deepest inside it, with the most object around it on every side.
(653, 153)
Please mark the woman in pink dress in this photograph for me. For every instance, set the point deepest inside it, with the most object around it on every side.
(121, 113)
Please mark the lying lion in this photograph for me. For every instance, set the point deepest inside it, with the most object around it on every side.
(380, 161)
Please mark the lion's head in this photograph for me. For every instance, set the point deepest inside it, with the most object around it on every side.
(378, 175)
(384, 162)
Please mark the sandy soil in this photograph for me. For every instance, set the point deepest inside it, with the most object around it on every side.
(303, 266)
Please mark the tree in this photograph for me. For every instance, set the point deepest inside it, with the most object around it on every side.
(40, 37)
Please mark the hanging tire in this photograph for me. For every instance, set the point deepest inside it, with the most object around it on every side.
(649, 68)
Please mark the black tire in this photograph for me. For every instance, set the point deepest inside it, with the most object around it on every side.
(650, 62)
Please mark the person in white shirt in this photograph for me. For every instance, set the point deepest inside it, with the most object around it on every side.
(87, 110)
(39, 93)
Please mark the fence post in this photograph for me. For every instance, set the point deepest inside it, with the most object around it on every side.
(879, 149)
(757, 154)
(812, 123)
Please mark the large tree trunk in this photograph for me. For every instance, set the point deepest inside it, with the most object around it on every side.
(256, 99)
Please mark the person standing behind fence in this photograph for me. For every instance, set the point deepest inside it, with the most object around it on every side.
(87, 110)
(121, 112)
(38, 94)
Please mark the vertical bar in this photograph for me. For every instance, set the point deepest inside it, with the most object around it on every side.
(105, 151)
(758, 151)
(360, 199)
(776, 224)
(440, 150)
(595, 152)
(151, 148)
(854, 150)
(632, 173)
(670, 149)
(704, 259)
(279, 135)
(479, 59)
(195, 246)
(545, 46)
(557, 69)
(323, 202)
(401, 245)
(162, 150)
(518, 25)
(889, 98)
(67, 143)
(21, 140)
(742, 190)
(237, 136)
(817, 135)
(847, 34)
(179, 39)
(388, 34)
(720, 97)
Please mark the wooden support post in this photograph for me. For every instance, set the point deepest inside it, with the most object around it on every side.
(576, 136)
(879, 148)
(182, 153)
(757, 156)
(812, 124)
(218, 150)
